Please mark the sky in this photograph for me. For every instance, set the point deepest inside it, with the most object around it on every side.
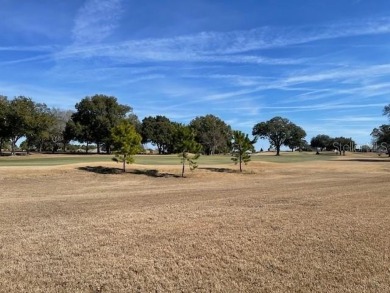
(324, 65)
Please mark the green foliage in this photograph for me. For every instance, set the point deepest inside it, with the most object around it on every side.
(95, 117)
(189, 150)
(343, 144)
(242, 147)
(4, 134)
(41, 121)
(19, 119)
(126, 143)
(159, 131)
(296, 138)
(321, 141)
(35, 121)
(212, 133)
(279, 131)
(386, 111)
(381, 137)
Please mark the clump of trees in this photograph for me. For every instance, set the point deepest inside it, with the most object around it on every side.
(212, 133)
(42, 127)
(280, 131)
(160, 132)
(342, 144)
(381, 134)
(94, 119)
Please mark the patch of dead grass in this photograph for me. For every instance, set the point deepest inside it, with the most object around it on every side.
(300, 227)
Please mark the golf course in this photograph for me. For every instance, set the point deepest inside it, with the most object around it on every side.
(299, 222)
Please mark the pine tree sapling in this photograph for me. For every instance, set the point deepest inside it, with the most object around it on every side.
(242, 146)
(190, 157)
(188, 149)
(126, 142)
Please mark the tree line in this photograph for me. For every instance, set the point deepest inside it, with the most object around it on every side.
(95, 117)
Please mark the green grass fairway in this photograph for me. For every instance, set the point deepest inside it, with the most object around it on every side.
(294, 157)
(51, 160)
(55, 160)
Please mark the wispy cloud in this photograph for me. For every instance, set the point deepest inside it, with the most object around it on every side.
(146, 51)
(92, 26)
(346, 73)
(354, 119)
(96, 20)
(42, 48)
(29, 59)
(323, 106)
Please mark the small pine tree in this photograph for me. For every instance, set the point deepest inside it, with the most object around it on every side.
(188, 149)
(127, 143)
(242, 146)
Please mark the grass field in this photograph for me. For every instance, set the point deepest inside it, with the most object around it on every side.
(54, 160)
(297, 223)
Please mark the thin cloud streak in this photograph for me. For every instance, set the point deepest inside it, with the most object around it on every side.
(205, 46)
(29, 48)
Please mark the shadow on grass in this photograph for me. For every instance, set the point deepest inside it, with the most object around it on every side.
(101, 170)
(368, 160)
(106, 170)
(220, 170)
(153, 173)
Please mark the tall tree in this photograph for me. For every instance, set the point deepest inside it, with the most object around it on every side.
(386, 111)
(242, 147)
(56, 132)
(4, 133)
(40, 122)
(278, 130)
(95, 117)
(296, 139)
(19, 117)
(126, 142)
(320, 141)
(212, 133)
(381, 137)
(186, 146)
(159, 131)
(343, 144)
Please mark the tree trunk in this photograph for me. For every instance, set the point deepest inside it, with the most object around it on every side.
(278, 151)
(13, 144)
(28, 147)
(182, 170)
(98, 147)
(86, 150)
(240, 163)
(124, 164)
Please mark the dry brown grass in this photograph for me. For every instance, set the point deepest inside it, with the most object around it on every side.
(308, 227)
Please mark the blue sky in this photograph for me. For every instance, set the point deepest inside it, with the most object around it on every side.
(325, 65)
